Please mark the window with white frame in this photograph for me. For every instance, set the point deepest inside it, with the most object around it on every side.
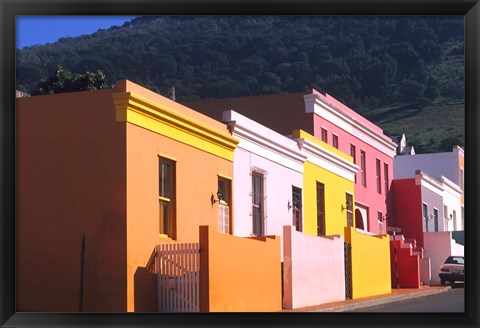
(353, 151)
(349, 209)
(166, 197)
(335, 141)
(258, 203)
(324, 135)
(321, 229)
(380, 222)
(297, 208)
(363, 172)
(378, 175)
(385, 178)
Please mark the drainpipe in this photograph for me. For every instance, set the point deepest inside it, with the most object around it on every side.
(396, 258)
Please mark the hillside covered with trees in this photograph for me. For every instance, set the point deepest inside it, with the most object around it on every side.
(404, 73)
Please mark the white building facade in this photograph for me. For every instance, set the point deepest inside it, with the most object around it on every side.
(447, 164)
(452, 205)
(268, 179)
(448, 169)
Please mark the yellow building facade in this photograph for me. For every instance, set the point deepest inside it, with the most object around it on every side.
(329, 210)
(328, 184)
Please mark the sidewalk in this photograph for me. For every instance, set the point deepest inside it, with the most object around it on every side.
(394, 296)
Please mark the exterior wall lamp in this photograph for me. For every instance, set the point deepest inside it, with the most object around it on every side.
(219, 198)
(296, 205)
(347, 205)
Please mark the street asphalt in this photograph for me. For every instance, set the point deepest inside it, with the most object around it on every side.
(395, 296)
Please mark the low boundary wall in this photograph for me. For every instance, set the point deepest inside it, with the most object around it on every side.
(370, 263)
(239, 274)
(438, 246)
(313, 269)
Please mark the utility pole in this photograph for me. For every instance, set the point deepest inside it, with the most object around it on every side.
(171, 95)
(82, 264)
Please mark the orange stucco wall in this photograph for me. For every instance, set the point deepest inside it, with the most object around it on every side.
(71, 180)
(196, 179)
(239, 274)
(82, 171)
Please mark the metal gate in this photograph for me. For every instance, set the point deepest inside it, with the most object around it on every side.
(347, 247)
(178, 277)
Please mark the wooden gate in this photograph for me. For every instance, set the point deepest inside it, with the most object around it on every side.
(348, 270)
(178, 277)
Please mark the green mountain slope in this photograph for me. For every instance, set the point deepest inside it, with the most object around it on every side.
(372, 64)
(432, 128)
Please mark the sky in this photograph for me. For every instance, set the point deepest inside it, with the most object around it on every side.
(39, 30)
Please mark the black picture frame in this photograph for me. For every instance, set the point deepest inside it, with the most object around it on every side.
(9, 9)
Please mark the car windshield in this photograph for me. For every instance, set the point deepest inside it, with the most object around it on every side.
(454, 260)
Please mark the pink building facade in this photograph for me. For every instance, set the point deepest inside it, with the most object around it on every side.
(371, 150)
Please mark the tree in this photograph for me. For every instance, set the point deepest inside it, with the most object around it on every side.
(447, 143)
(411, 90)
(63, 80)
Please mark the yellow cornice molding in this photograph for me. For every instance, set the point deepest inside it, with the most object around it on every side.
(160, 119)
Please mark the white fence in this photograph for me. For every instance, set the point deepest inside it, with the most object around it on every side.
(178, 268)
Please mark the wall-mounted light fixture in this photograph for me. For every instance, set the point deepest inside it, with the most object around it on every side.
(289, 205)
(450, 217)
(347, 205)
(219, 197)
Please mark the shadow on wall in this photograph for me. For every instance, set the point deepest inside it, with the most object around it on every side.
(145, 287)
(459, 237)
(359, 219)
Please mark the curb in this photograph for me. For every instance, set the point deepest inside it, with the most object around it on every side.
(385, 300)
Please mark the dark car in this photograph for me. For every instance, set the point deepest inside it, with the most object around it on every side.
(452, 270)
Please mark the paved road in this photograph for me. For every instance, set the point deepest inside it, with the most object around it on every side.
(450, 301)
